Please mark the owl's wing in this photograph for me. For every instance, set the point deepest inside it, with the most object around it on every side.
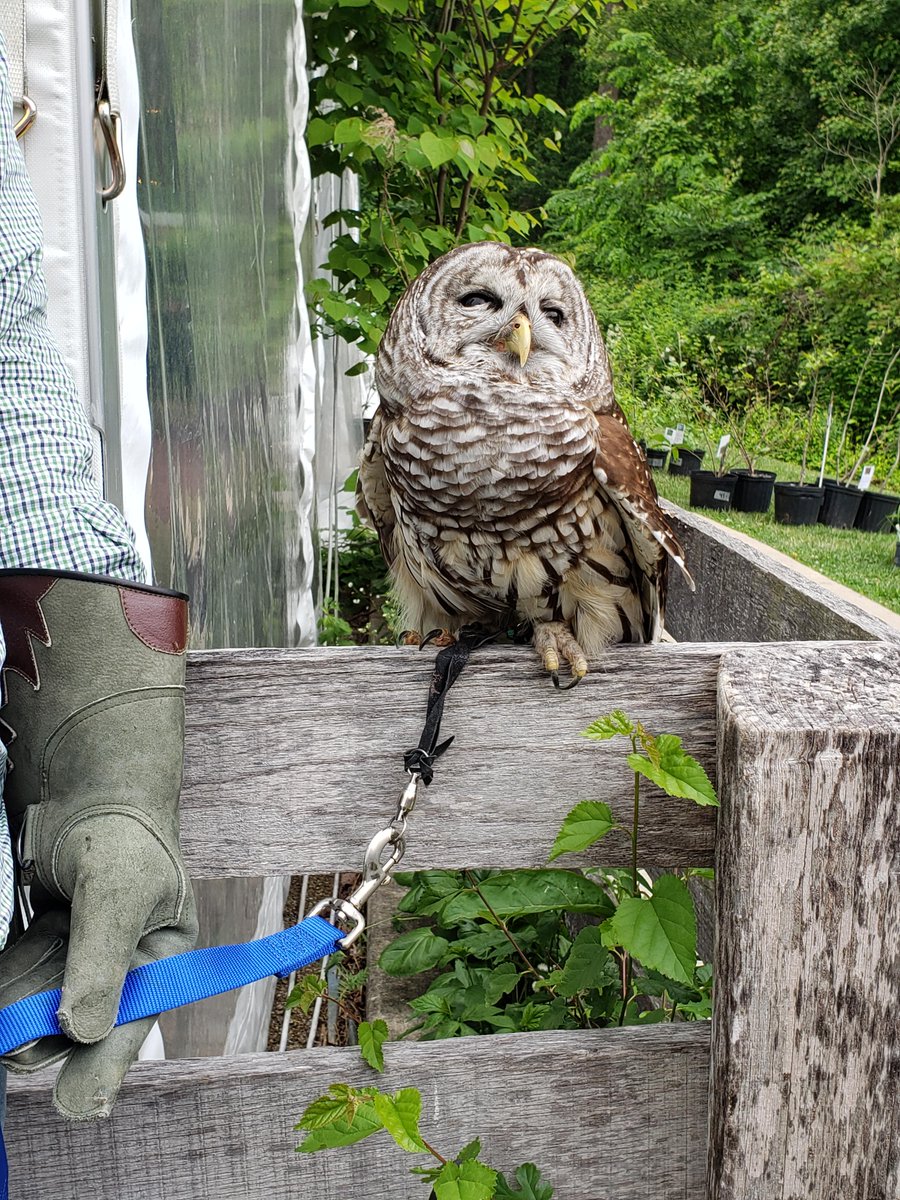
(622, 472)
(373, 494)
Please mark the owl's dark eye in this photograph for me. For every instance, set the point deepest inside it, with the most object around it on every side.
(555, 314)
(474, 299)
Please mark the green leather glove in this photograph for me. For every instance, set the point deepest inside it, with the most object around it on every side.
(93, 690)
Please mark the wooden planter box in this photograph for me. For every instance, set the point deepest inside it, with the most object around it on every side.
(293, 759)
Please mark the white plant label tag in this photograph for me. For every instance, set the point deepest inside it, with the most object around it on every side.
(675, 436)
(865, 480)
(723, 442)
(723, 496)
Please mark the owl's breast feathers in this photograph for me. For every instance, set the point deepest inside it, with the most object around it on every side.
(518, 502)
(471, 461)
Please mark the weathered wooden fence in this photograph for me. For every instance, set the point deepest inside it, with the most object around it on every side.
(293, 760)
(745, 594)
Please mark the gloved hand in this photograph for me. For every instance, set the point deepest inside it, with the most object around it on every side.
(93, 690)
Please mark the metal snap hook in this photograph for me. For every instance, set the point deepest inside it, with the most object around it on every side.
(110, 126)
(28, 117)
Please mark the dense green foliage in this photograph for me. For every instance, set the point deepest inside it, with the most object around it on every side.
(525, 950)
(739, 234)
(428, 104)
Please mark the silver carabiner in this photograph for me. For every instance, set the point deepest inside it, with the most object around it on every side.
(346, 909)
(375, 871)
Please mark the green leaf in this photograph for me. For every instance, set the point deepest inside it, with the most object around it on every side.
(517, 893)
(469, 1151)
(531, 1186)
(348, 132)
(379, 292)
(437, 150)
(318, 132)
(612, 725)
(349, 93)
(400, 1116)
(324, 1111)
(359, 368)
(677, 773)
(372, 1035)
(487, 942)
(417, 950)
(500, 981)
(359, 1120)
(660, 930)
(586, 824)
(470, 1180)
(588, 965)
(305, 992)
(468, 153)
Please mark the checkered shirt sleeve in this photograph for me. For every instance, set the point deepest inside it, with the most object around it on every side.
(51, 513)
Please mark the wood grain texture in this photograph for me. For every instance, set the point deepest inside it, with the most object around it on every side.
(805, 1045)
(294, 757)
(607, 1115)
(745, 595)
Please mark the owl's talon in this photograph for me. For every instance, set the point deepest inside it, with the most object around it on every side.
(552, 639)
(438, 637)
(408, 637)
(565, 687)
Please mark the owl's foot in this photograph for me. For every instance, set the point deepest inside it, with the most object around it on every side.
(552, 639)
(438, 637)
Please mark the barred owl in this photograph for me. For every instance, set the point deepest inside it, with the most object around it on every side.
(499, 472)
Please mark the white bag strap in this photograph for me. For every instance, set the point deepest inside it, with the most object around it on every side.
(12, 26)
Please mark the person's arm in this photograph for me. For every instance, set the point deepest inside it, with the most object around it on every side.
(91, 699)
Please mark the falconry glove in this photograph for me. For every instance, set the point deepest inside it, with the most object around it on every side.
(93, 714)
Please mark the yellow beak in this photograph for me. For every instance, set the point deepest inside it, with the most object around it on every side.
(519, 340)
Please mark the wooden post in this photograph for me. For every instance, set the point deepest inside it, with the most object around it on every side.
(804, 1096)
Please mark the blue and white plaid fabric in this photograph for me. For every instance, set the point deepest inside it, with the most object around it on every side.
(51, 514)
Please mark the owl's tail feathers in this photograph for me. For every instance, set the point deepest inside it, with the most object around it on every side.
(672, 547)
(552, 639)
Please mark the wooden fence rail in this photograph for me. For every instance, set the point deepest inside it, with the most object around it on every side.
(293, 760)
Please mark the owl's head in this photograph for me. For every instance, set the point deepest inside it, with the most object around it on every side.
(491, 314)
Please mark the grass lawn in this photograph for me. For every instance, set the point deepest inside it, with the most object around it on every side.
(862, 561)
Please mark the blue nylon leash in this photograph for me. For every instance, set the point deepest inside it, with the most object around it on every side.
(172, 982)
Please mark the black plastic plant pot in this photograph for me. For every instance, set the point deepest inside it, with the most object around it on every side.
(875, 512)
(797, 503)
(709, 490)
(656, 458)
(897, 555)
(840, 505)
(687, 461)
(753, 492)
